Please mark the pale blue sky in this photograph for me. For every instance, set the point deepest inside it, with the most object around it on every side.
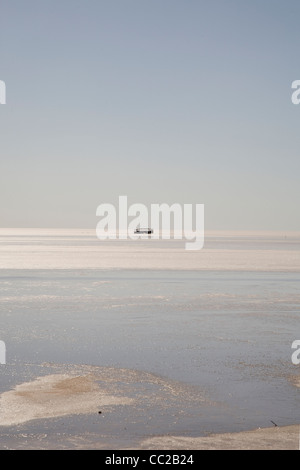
(160, 100)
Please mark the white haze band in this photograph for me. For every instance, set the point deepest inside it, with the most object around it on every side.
(182, 222)
(2, 92)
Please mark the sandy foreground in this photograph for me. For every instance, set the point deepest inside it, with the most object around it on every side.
(58, 395)
(285, 438)
(52, 396)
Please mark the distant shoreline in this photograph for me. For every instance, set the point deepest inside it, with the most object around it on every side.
(80, 249)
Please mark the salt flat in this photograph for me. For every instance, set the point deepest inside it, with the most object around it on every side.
(192, 349)
(80, 249)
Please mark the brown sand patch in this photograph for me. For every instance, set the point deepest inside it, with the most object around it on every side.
(295, 380)
(53, 396)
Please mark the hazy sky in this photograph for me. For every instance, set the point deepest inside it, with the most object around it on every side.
(185, 101)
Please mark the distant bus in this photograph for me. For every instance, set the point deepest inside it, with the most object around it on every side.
(142, 231)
